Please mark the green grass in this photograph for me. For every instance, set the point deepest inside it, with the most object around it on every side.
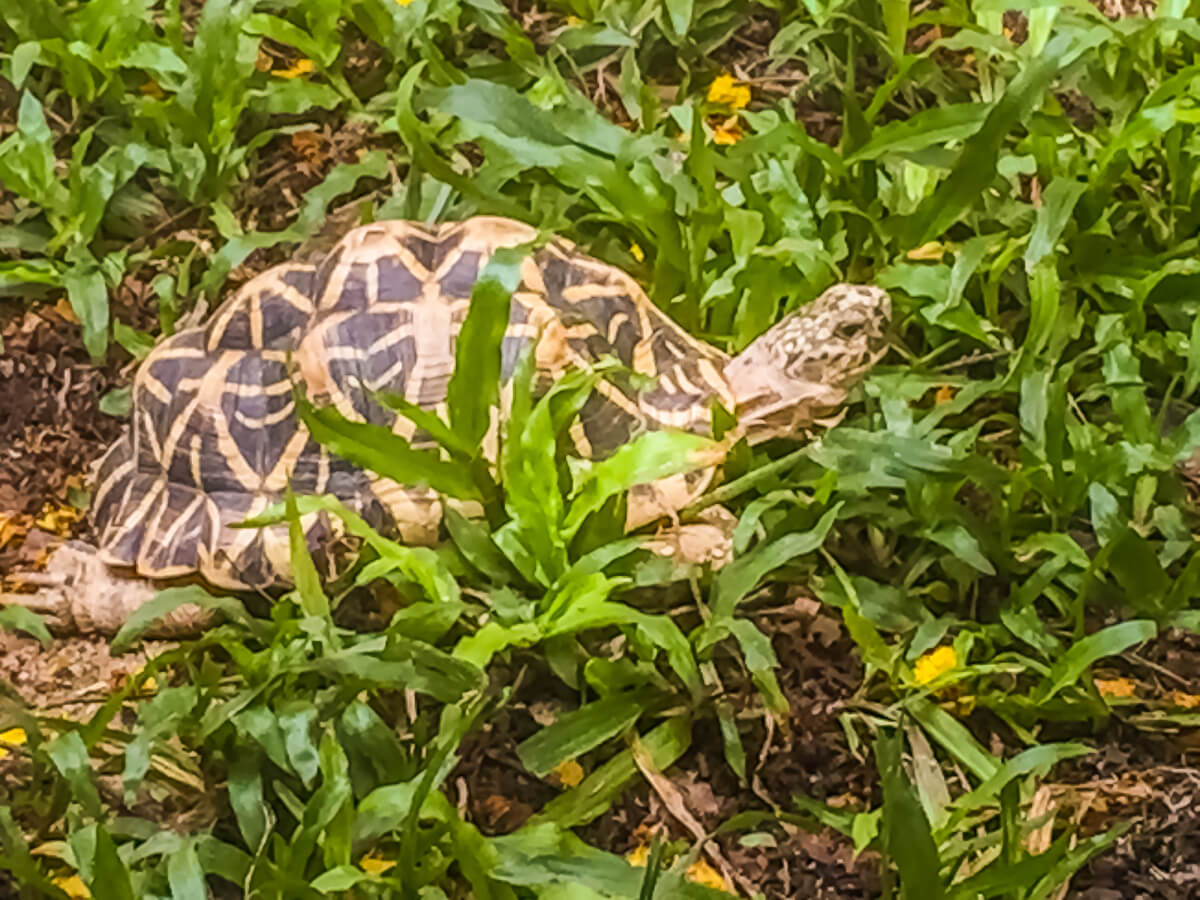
(1007, 485)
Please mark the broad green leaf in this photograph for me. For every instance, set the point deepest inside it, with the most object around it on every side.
(906, 833)
(89, 298)
(185, 875)
(963, 545)
(296, 723)
(166, 601)
(341, 878)
(20, 618)
(419, 666)
(111, 877)
(928, 128)
(70, 757)
(473, 389)
(649, 457)
(593, 796)
(1083, 653)
(379, 450)
(543, 855)
(975, 168)
(1058, 203)
(156, 719)
(246, 797)
(1036, 759)
(304, 573)
(475, 543)
(954, 737)
(578, 731)
(23, 57)
(740, 577)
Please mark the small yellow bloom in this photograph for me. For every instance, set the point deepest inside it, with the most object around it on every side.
(72, 886)
(375, 865)
(569, 773)
(728, 132)
(1115, 687)
(725, 91)
(637, 252)
(404, 2)
(638, 856)
(934, 664)
(152, 89)
(58, 519)
(300, 67)
(574, 21)
(703, 874)
(945, 394)
(1183, 700)
(14, 736)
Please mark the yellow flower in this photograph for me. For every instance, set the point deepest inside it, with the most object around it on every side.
(72, 886)
(728, 132)
(300, 67)
(574, 21)
(636, 251)
(58, 519)
(945, 393)
(375, 865)
(152, 89)
(569, 773)
(404, 2)
(638, 856)
(934, 664)
(727, 92)
(702, 873)
(14, 737)
(1115, 687)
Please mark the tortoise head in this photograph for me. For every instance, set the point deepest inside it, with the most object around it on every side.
(800, 371)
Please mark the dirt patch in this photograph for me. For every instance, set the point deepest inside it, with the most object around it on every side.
(51, 427)
(819, 671)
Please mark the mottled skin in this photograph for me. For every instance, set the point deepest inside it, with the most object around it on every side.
(214, 436)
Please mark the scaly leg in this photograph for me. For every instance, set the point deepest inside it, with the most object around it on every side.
(78, 594)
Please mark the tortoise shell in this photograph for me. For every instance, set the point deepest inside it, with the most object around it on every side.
(215, 438)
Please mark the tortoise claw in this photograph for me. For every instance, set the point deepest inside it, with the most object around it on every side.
(47, 603)
(708, 541)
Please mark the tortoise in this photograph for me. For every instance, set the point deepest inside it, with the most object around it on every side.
(214, 435)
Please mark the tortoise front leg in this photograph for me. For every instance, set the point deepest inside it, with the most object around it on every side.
(707, 538)
(706, 541)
